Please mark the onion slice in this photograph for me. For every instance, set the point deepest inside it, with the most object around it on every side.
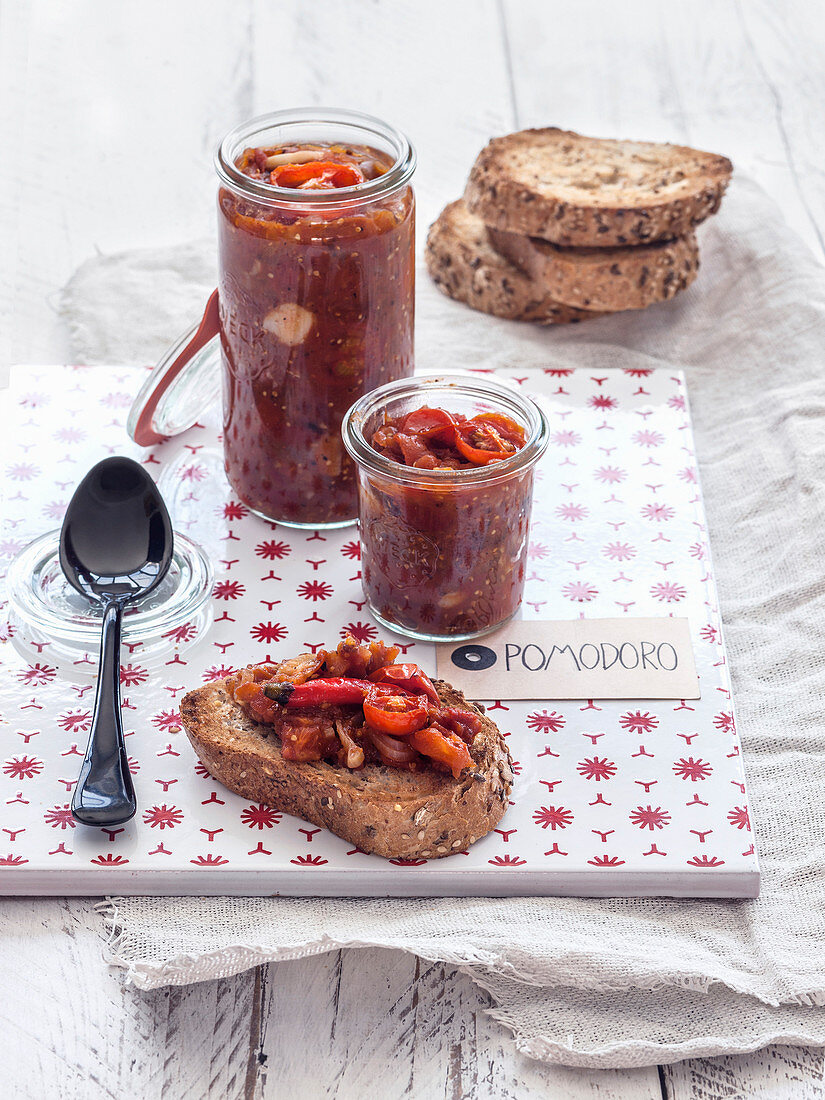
(392, 750)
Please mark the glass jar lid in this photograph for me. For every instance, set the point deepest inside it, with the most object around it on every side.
(183, 385)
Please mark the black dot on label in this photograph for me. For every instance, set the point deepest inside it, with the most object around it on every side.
(474, 658)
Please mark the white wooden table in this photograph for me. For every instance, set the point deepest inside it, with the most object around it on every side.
(108, 117)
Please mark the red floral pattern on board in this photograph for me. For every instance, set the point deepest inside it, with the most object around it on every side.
(579, 591)
(132, 675)
(23, 767)
(692, 769)
(37, 675)
(228, 590)
(362, 632)
(572, 512)
(75, 721)
(646, 438)
(545, 722)
(610, 475)
(566, 439)
(725, 723)
(163, 817)
(649, 817)
(217, 672)
(168, 721)
(597, 768)
(269, 632)
(273, 550)
(660, 513)
(233, 510)
(637, 722)
(260, 817)
(668, 592)
(554, 817)
(60, 817)
(601, 401)
(619, 551)
(315, 590)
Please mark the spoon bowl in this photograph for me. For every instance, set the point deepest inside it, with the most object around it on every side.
(115, 547)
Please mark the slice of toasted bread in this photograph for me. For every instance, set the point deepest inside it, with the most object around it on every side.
(594, 192)
(465, 266)
(608, 279)
(388, 811)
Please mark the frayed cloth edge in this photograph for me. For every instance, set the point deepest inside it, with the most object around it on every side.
(224, 962)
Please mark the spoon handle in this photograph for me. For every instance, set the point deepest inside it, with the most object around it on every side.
(104, 794)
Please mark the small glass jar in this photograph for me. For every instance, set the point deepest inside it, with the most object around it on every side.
(443, 552)
(316, 305)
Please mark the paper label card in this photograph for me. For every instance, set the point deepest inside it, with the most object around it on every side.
(578, 659)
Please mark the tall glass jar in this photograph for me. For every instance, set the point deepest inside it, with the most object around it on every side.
(316, 285)
(443, 551)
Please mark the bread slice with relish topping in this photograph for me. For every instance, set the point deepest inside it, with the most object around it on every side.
(384, 810)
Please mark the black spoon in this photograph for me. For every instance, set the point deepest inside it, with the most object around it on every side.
(115, 547)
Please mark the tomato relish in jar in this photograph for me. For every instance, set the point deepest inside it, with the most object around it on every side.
(316, 283)
(445, 489)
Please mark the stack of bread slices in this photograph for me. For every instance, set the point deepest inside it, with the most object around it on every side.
(558, 228)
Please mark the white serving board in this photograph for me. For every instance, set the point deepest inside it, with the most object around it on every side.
(624, 798)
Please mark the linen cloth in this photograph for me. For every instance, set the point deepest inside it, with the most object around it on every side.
(595, 982)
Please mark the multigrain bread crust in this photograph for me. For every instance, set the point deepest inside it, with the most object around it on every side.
(609, 279)
(388, 811)
(465, 266)
(594, 192)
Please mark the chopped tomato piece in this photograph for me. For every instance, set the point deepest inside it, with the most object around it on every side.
(311, 741)
(445, 747)
(506, 427)
(409, 676)
(431, 423)
(394, 712)
(481, 443)
(413, 447)
(463, 722)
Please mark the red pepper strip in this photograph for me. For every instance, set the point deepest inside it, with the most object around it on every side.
(395, 713)
(337, 690)
(443, 746)
(506, 427)
(481, 443)
(409, 676)
(316, 173)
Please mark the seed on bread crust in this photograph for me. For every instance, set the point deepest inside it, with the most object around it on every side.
(604, 278)
(594, 192)
(465, 266)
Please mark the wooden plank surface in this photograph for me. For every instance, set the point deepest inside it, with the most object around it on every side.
(121, 98)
